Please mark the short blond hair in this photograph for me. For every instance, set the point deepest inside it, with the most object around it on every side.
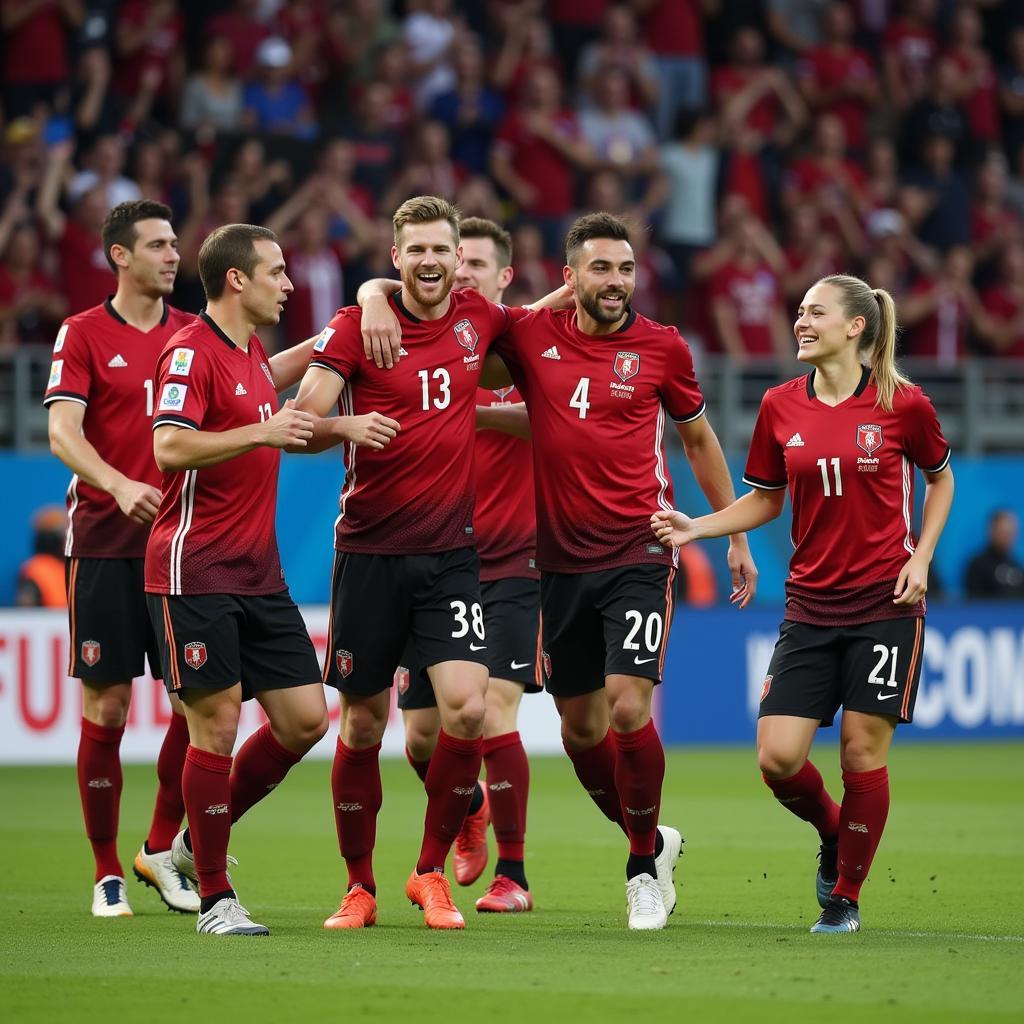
(426, 210)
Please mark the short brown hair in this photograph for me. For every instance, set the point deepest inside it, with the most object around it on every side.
(425, 210)
(481, 227)
(593, 225)
(231, 245)
(119, 227)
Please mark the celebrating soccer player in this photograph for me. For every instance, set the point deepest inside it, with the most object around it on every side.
(228, 628)
(842, 439)
(100, 397)
(503, 524)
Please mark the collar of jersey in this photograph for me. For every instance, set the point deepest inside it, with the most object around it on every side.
(108, 305)
(205, 317)
(865, 376)
(400, 306)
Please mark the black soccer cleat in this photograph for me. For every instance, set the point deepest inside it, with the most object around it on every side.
(828, 871)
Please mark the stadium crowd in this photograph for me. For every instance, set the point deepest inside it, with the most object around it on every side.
(758, 144)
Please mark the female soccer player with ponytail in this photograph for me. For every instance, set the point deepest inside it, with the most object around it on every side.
(844, 440)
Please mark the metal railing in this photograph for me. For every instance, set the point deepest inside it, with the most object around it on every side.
(980, 403)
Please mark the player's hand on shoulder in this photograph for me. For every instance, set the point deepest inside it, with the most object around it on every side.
(287, 428)
(673, 529)
(381, 331)
(744, 572)
(137, 500)
(373, 430)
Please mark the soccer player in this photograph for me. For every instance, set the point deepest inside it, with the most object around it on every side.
(842, 439)
(597, 381)
(228, 628)
(100, 398)
(504, 527)
(405, 567)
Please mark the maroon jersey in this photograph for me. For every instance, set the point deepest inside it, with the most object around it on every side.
(850, 474)
(105, 364)
(597, 414)
(214, 533)
(505, 519)
(416, 495)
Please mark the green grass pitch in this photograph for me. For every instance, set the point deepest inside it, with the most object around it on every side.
(943, 936)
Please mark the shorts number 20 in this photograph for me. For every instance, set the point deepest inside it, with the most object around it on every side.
(652, 631)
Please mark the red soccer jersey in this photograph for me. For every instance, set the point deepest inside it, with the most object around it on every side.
(505, 520)
(597, 413)
(849, 469)
(108, 366)
(416, 495)
(214, 533)
(754, 293)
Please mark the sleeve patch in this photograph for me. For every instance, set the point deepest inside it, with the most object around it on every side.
(181, 361)
(172, 397)
(61, 335)
(325, 336)
(56, 371)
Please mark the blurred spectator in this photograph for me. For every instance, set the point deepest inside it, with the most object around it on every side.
(935, 199)
(148, 47)
(266, 182)
(428, 168)
(471, 110)
(994, 573)
(1011, 92)
(575, 23)
(838, 78)
(37, 60)
(536, 152)
(675, 33)
(103, 166)
(477, 198)
(277, 103)
(1003, 302)
(655, 274)
(910, 45)
(357, 31)
(377, 145)
(979, 86)
(242, 27)
(375, 261)
(993, 220)
(212, 101)
(303, 25)
(619, 46)
(41, 577)
(31, 304)
(795, 24)
(825, 178)
(938, 113)
(811, 253)
(526, 44)
(535, 274)
(431, 36)
(337, 164)
(21, 168)
(939, 311)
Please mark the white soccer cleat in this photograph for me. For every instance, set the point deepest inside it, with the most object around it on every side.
(229, 917)
(110, 898)
(665, 863)
(183, 862)
(157, 870)
(646, 907)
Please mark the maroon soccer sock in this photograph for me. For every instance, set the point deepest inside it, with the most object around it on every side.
(206, 787)
(419, 767)
(357, 795)
(804, 795)
(508, 786)
(169, 808)
(260, 766)
(450, 783)
(861, 823)
(99, 785)
(595, 768)
(639, 774)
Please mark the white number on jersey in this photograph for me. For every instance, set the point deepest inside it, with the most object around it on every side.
(265, 412)
(823, 466)
(462, 623)
(652, 631)
(148, 386)
(444, 396)
(883, 653)
(579, 397)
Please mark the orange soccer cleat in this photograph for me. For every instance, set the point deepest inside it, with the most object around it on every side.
(432, 893)
(358, 910)
(470, 856)
(504, 896)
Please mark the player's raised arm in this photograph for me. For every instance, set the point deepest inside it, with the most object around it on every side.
(287, 367)
(509, 419)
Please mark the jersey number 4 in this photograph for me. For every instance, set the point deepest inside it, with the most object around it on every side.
(579, 397)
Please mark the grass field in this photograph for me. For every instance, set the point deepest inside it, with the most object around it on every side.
(943, 936)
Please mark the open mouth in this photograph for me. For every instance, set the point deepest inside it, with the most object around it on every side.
(428, 279)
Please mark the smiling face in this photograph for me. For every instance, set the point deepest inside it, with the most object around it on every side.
(426, 256)
(265, 293)
(603, 279)
(152, 262)
(822, 329)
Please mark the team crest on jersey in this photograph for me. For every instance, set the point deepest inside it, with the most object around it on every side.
(402, 680)
(56, 372)
(343, 659)
(626, 365)
(91, 652)
(767, 686)
(181, 361)
(195, 654)
(869, 437)
(466, 336)
(61, 335)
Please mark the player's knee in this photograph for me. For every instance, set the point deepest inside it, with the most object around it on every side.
(629, 713)
(778, 764)
(581, 735)
(109, 709)
(309, 731)
(859, 754)
(363, 727)
(467, 720)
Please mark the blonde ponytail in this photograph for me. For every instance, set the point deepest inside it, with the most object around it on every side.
(878, 339)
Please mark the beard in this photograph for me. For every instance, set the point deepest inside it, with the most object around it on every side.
(591, 303)
(412, 286)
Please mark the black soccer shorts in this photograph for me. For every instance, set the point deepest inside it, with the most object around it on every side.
(873, 668)
(609, 622)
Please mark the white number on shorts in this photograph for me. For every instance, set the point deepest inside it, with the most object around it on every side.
(148, 385)
(883, 653)
(579, 397)
(652, 631)
(459, 609)
(444, 398)
(265, 412)
(823, 466)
